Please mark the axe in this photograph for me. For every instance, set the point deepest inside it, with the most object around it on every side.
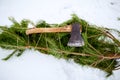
(75, 40)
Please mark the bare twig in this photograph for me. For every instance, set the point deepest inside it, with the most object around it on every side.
(117, 67)
(111, 36)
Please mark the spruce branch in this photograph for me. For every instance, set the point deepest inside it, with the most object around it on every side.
(97, 52)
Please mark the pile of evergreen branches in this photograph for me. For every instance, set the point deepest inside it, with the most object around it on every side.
(101, 48)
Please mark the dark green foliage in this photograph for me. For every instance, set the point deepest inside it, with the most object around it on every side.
(99, 47)
(118, 18)
(10, 55)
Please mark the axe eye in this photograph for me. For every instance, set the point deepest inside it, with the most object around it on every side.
(76, 39)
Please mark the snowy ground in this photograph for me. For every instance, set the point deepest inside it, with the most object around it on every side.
(33, 65)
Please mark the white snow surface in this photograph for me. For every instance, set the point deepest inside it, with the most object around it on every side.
(33, 65)
(99, 12)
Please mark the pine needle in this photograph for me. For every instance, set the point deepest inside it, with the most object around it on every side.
(100, 51)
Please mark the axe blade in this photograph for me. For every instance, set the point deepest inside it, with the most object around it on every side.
(76, 39)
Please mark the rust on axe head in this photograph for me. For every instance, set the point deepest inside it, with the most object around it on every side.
(76, 39)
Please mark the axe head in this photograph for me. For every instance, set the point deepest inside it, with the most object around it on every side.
(76, 39)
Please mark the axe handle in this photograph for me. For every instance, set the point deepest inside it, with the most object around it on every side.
(49, 30)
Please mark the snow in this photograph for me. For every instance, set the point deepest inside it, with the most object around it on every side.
(100, 12)
(33, 65)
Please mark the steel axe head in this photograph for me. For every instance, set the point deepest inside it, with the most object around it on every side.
(76, 39)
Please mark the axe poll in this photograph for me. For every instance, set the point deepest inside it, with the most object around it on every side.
(75, 40)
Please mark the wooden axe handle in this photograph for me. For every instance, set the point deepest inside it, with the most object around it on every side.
(49, 30)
